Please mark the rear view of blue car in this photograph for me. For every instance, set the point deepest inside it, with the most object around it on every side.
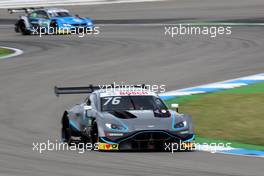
(50, 21)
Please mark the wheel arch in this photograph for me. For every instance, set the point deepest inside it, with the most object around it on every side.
(26, 21)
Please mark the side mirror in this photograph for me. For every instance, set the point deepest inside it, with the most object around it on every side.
(176, 106)
(77, 15)
(87, 110)
(87, 107)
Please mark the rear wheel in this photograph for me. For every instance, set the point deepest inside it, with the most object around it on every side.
(66, 132)
(22, 28)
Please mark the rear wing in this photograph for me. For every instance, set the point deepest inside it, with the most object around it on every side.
(85, 90)
(75, 90)
(23, 10)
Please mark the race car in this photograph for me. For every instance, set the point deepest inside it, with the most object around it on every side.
(50, 21)
(124, 119)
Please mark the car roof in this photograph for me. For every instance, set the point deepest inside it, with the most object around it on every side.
(52, 10)
(124, 92)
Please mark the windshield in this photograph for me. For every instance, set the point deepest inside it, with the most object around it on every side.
(60, 14)
(115, 103)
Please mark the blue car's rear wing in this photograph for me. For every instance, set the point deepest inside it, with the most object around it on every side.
(23, 10)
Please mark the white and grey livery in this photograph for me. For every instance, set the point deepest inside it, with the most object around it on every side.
(121, 119)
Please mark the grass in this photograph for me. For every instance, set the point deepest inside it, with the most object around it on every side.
(235, 115)
(5, 52)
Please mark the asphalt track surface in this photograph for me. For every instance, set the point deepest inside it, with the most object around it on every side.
(29, 111)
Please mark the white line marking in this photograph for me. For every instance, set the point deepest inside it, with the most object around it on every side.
(223, 83)
(178, 93)
(237, 154)
(16, 52)
(224, 86)
(43, 3)
(257, 77)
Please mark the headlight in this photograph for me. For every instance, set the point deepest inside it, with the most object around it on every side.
(89, 23)
(114, 126)
(180, 124)
(66, 25)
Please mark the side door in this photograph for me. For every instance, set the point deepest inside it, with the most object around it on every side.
(89, 111)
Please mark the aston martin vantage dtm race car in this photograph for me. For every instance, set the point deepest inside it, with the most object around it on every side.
(124, 120)
(50, 21)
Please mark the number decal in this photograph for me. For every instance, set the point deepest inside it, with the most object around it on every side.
(116, 100)
(113, 100)
(108, 99)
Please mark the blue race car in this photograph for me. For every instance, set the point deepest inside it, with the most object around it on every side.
(50, 21)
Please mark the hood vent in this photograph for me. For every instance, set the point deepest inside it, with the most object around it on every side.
(123, 114)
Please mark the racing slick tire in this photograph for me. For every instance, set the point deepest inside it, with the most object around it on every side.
(54, 25)
(66, 135)
(22, 28)
(66, 132)
(94, 134)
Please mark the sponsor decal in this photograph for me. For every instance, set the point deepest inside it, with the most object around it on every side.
(188, 145)
(133, 93)
(105, 146)
(114, 134)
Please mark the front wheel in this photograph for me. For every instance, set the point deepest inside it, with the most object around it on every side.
(54, 27)
(66, 132)
(94, 135)
(66, 135)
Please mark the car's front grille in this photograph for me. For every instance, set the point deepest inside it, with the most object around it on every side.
(151, 136)
(149, 140)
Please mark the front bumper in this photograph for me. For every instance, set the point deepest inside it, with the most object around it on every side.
(146, 140)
